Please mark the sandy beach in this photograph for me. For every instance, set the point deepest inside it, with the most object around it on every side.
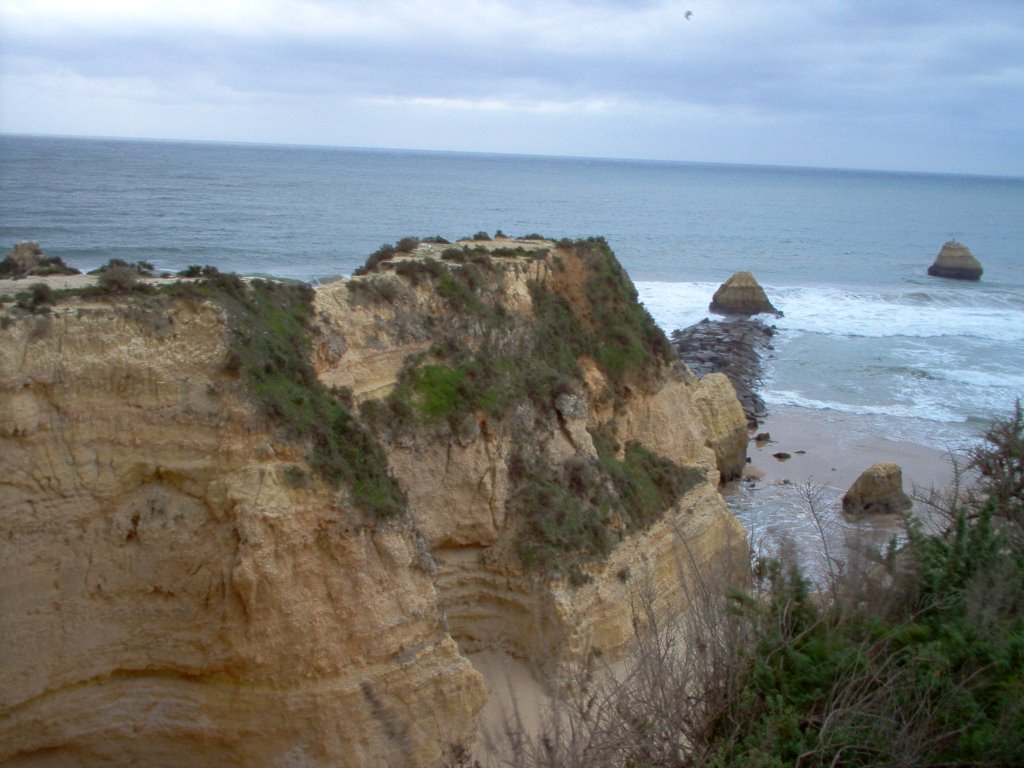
(832, 449)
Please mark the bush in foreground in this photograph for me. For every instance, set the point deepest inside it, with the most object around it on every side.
(917, 660)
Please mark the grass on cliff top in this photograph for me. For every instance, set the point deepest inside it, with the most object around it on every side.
(537, 360)
(627, 343)
(488, 362)
(270, 349)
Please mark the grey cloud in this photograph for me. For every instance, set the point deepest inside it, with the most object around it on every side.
(807, 63)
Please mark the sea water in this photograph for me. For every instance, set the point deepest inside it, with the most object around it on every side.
(842, 253)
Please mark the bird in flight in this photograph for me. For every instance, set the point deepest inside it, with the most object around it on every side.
(688, 14)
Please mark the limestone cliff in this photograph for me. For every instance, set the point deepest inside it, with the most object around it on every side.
(175, 590)
(464, 469)
(206, 560)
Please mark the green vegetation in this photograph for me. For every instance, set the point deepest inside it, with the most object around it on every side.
(195, 270)
(374, 261)
(929, 672)
(270, 351)
(911, 657)
(541, 359)
(37, 299)
(488, 362)
(120, 276)
(629, 346)
(579, 512)
(46, 265)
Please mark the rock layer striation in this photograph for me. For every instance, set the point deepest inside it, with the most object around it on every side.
(182, 583)
(956, 261)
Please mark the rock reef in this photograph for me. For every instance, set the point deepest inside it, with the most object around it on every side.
(733, 348)
(956, 261)
(206, 561)
(741, 294)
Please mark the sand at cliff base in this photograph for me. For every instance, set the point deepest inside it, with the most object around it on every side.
(836, 449)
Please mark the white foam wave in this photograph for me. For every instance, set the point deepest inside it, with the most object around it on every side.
(832, 311)
(676, 305)
(841, 312)
(918, 410)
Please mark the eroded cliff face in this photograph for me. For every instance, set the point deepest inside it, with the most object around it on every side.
(181, 584)
(175, 589)
(460, 475)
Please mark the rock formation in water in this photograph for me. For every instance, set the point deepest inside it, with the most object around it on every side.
(955, 260)
(878, 491)
(741, 294)
(732, 347)
(248, 525)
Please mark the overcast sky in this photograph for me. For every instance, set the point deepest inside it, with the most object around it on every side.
(929, 85)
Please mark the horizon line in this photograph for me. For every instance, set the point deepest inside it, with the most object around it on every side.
(530, 155)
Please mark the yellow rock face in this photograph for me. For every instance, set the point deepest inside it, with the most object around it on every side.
(726, 424)
(459, 487)
(179, 588)
(741, 294)
(168, 597)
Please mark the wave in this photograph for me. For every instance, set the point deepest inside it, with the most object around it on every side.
(929, 412)
(986, 314)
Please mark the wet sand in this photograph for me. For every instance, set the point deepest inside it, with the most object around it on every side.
(832, 449)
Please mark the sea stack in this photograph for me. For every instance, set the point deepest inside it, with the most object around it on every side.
(878, 491)
(955, 260)
(741, 294)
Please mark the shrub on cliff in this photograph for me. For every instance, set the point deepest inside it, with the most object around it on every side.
(270, 350)
(385, 253)
(37, 299)
(917, 659)
(27, 260)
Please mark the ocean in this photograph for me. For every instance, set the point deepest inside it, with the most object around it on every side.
(842, 253)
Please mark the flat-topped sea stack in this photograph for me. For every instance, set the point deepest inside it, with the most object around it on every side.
(250, 523)
(956, 261)
(742, 295)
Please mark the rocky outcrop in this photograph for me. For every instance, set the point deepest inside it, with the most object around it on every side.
(27, 259)
(461, 477)
(741, 294)
(956, 261)
(733, 347)
(184, 582)
(177, 587)
(726, 424)
(878, 491)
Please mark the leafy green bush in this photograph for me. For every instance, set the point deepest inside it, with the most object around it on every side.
(385, 253)
(407, 244)
(568, 511)
(118, 279)
(194, 270)
(37, 299)
(913, 659)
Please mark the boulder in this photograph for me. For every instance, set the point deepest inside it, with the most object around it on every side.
(955, 260)
(878, 491)
(741, 294)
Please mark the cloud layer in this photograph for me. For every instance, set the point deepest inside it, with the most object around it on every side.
(916, 85)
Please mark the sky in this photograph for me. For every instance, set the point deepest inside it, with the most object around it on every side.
(912, 85)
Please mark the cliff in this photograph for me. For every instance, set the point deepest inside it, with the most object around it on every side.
(247, 526)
